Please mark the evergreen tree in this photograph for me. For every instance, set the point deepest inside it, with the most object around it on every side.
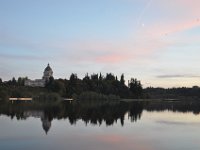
(122, 81)
(110, 77)
(135, 88)
(14, 82)
(100, 77)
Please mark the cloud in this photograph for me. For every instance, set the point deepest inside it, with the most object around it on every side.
(177, 76)
(184, 16)
(113, 58)
(21, 57)
(161, 30)
(11, 39)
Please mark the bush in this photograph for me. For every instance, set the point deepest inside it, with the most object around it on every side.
(93, 96)
(4, 95)
(48, 98)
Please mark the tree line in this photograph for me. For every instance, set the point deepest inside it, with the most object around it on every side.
(95, 84)
(107, 85)
(182, 93)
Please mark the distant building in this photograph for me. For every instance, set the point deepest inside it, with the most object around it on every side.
(47, 73)
(35, 83)
(40, 82)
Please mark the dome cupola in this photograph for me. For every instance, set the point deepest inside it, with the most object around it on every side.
(48, 72)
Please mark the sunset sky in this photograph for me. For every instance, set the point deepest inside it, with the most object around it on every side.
(155, 41)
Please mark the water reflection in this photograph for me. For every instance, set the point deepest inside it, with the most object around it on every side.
(46, 121)
(92, 113)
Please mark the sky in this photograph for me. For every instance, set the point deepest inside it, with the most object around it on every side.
(155, 41)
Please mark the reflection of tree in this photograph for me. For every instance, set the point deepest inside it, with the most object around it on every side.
(95, 113)
(136, 111)
(100, 113)
(90, 113)
(182, 106)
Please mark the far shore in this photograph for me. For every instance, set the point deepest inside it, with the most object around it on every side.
(120, 100)
(150, 100)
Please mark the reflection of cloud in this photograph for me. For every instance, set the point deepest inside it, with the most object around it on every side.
(176, 122)
(177, 76)
(124, 142)
(112, 139)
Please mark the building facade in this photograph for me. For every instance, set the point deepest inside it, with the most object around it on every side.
(48, 72)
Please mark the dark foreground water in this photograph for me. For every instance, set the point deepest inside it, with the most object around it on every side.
(120, 126)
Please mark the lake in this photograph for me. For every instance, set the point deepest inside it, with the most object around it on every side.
(101, 126)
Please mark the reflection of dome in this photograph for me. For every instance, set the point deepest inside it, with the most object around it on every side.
(46, 124)
(48, 72)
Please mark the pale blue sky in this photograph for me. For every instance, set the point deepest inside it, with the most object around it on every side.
(156, 41)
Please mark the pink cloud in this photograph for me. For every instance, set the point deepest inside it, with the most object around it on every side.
(112, 58)
(170, 17)
(189, 4)
(185, 15)
(169, 28)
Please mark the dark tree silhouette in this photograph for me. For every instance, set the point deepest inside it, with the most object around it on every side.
(108, 85)
(122, 81)
(135, 88)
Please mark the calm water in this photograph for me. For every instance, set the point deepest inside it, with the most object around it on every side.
(122, 126)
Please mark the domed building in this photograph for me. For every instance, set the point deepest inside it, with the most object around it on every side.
(48, 72)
